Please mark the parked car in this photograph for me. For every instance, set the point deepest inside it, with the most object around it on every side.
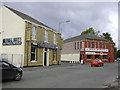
(97, 63)
(118, 59)
(10, 71)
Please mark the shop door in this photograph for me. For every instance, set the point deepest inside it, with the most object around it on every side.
(45, 57)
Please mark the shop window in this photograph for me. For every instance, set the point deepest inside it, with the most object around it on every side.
(97, 56)
(33, 53)
(34, 33)
(89, 56)
(104, 57)
(46, 35)
(54, 55)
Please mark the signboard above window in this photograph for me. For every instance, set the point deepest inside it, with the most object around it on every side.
(96, 49)
(12, 41)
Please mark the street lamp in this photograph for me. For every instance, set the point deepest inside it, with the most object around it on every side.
(61, 23)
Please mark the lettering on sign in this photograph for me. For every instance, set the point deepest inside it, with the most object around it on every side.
(12, 41)
(47, 45)
(96, 49)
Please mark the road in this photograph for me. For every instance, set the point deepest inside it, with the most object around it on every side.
(69, 76)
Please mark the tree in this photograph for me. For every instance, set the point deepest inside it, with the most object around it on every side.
(91, 30)
(118, 54)
(107, 36)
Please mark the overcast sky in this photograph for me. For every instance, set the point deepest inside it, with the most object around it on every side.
(101, 16)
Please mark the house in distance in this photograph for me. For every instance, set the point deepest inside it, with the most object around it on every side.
(87, 47)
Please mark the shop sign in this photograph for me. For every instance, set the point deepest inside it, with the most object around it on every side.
(12, 41)
(96, 49)
(34, 44)
(93, 53)
(47, 45)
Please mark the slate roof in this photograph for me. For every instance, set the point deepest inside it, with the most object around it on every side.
(26, 17)
(83, 37)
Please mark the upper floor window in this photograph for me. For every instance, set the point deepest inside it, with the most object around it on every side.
(34, 32)
(55, 38)
(75, 45)
(103, 45)
(98, 44)
(80, 45)
(90, 44)
(94, 44)
(87, 45)
(46, 36)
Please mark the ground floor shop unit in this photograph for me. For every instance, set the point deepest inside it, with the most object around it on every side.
(43, 54)
(89, 54)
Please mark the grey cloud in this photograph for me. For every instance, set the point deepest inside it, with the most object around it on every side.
(81, 15)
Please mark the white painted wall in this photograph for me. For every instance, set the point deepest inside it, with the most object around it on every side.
(70, 57)
(0, 29)
(13, 26)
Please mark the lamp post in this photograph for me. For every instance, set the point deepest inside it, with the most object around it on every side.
(61, 23)
(60, 30)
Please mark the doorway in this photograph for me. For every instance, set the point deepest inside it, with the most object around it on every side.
(46, 57)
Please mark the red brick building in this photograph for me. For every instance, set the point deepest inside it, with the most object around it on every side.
(90, 47)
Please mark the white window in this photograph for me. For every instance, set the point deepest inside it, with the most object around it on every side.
(34, 33)
(55, 38)
(46, 35)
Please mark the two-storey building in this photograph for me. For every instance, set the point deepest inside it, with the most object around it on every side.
(28, 42)
(88, 47)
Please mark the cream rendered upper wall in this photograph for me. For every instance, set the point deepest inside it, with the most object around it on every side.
(0, 29)
(13, 26)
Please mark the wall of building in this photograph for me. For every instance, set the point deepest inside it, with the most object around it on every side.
(109, 53)
(40, 50)
(13, 27)
(72, 48)
(69, 48)
(0, 30)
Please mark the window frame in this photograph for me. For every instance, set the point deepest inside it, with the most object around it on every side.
(55, 38)
(35, 53)
(46, 35)
(34, 32)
